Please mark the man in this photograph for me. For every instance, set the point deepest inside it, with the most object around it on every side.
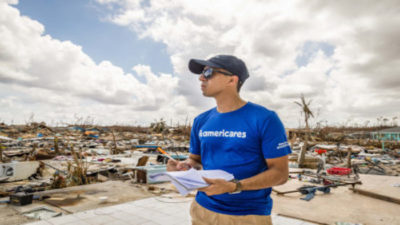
(240, 137)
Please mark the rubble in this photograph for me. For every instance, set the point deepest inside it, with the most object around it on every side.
(36, 159)
(41, 213)
(339, 157)
(57, 165)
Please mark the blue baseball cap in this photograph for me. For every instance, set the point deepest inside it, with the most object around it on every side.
(228, 62)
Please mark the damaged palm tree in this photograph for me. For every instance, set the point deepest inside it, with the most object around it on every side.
(159, 126)
(56, 149)
(1, 153)
(307, 114)
(114, 148)
(58, 181)
(77, 170)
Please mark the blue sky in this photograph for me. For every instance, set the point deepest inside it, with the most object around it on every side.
(83, 23)
(309, 50)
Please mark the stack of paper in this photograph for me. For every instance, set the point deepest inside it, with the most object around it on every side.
(187, 181)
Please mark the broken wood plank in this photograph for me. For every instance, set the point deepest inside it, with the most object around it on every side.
(376, 195)
(381, 187)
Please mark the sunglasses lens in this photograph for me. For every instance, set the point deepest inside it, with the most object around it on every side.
(208, 73)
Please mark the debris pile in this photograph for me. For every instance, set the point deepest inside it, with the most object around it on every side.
(61, 166)
(36, 160)
(339, 173)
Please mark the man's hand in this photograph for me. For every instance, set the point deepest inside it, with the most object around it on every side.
(194, 161)
(174, 165)
(217, 186)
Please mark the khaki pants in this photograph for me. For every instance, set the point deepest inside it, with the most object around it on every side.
(203, 216)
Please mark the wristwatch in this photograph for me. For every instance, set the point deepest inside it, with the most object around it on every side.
(238, 187)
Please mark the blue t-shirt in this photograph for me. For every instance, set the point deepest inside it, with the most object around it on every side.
(238, 142)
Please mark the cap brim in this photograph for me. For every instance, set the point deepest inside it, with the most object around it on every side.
(197, 65)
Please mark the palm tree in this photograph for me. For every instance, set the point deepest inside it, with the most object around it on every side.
(394, 122)
(379, 119)
(385, 120)
(306, 109)
(307, 114)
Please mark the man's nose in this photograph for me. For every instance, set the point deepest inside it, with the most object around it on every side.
(202, 77)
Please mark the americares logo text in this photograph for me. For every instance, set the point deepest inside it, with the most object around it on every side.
(223, 133)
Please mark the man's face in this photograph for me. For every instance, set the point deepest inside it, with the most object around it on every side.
(214, 85)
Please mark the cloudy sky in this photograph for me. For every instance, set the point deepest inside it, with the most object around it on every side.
(125, 61)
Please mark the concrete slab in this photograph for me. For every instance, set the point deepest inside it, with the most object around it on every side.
(17, 170)
(159, 210)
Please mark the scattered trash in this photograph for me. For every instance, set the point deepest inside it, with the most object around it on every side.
(21, 199)
(103, 199)
(339, 171)
(41, 213)
(309, 191)
(143, 173)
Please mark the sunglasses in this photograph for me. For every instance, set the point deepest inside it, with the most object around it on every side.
(210, 71)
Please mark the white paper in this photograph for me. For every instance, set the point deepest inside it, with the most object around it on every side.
(187, 181)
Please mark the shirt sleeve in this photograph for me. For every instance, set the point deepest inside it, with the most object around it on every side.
(194, 139)
(274, 142)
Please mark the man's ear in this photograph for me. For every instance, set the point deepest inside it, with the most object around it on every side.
(234, 80)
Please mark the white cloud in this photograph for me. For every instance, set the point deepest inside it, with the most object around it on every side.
(358, 80)
(56, 79)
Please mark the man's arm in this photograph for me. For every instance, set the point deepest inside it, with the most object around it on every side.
(277, 174)
(194, 161)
